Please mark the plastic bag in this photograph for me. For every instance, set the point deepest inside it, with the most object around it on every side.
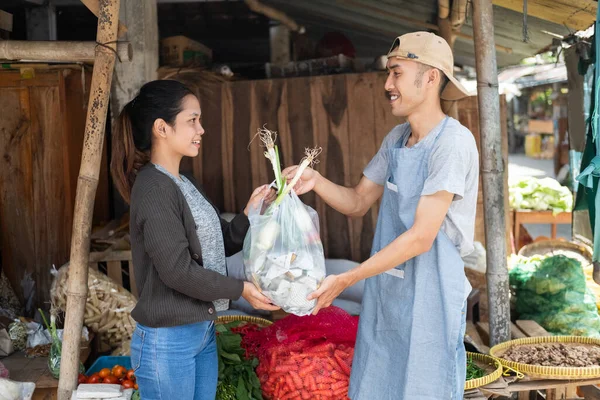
(11, 390)
(552, 291)
(18, 334)
(56, 348)
(283, 254)
(108, 307)
(303, 357)
(36, 335)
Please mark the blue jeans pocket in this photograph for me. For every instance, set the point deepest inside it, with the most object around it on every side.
(137, 346)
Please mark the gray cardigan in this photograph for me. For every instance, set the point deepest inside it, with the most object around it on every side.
(174, 289)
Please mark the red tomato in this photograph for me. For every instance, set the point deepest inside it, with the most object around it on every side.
(119, 371)
(111, 379)
(104, 372)
(127, 384)
(131, 375)
(94, 378)
(82, 378)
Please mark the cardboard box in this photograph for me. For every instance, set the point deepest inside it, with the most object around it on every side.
(179, 50)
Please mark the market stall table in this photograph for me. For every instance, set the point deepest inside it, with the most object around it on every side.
(522, 217)
(527, 387)
(23, 369)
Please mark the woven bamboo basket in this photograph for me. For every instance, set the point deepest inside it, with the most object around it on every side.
(246, 318)
(489, 364)
(537, 371)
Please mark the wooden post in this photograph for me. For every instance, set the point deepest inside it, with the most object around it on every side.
(492, 171)
(86, 190)
(279, 36)
(445, 31)
(48, 51)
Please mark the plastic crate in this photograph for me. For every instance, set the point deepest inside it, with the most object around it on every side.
(109, 362)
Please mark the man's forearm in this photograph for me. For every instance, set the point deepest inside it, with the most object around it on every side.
(343, 199)
(406, 246)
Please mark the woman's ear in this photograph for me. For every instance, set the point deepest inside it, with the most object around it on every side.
(159, 128)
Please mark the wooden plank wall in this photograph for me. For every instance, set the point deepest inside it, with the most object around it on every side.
(41, 138)
(347, 115)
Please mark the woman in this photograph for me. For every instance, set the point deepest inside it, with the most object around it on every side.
(179, 245)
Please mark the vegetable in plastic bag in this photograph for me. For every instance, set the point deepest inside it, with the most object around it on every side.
(17, 331)
(552, 291)
(283, 253)
(56, 348)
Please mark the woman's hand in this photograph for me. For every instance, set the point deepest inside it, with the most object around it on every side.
(260, 193)
(256, 299)
(307, 180)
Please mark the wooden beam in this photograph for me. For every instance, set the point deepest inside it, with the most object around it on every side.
(94, 7)
(57, 51)
(575, 14)
(532, 328)
(400, 17)
(6, 21)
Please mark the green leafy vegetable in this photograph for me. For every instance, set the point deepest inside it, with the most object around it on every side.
(237, 376)
(473, 371)
(528, 193)
(553, 292)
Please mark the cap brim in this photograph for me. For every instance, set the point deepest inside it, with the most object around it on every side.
(454, 90)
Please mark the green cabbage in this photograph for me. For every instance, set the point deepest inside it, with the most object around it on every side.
(528, 193)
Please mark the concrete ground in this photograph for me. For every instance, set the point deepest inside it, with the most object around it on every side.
(521, 165)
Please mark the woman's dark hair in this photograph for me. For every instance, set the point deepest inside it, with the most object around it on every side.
(132, 134)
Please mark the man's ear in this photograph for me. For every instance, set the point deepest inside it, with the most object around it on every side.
(434, 76)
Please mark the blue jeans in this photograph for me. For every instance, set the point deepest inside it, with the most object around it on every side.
(176, 363)
(460, 369)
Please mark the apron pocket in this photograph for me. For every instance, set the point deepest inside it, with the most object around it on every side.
(394, 301)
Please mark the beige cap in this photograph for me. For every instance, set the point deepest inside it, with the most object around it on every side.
(433, 50)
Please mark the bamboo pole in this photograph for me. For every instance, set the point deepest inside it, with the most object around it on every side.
(94, 7)
(55, 51)
(492, 171)
(86, 190)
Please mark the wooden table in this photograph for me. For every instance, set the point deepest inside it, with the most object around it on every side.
(522, 217)
(23, 369)
(527, 388)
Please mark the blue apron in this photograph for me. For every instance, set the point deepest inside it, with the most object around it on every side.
(410, 337)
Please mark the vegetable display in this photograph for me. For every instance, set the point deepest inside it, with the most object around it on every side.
(237, 377)
(552, 291)
(306, 357)
(473, 370)
(283, 253)
(528, 193)
(118, 374)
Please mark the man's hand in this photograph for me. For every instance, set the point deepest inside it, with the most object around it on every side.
(307, 181)
(330, 289)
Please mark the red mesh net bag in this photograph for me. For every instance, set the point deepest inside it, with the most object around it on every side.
(305, 358)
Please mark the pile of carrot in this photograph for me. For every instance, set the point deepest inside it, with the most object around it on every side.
(298, 371)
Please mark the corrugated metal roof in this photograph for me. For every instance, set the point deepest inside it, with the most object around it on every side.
(371, 25)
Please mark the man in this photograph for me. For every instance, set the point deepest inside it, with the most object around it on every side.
(410, 338)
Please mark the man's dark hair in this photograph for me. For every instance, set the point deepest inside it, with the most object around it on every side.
(424, 68)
